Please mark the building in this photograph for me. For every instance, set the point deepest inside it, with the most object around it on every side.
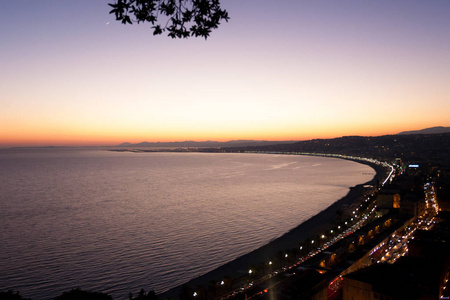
(422, 275)
(409, 278)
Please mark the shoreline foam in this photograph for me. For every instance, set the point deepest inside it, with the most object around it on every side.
(315, 225)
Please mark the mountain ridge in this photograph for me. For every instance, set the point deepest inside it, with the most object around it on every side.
(206, 144)
(430, 130)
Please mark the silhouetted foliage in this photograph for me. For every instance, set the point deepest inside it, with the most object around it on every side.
(182, 18)
(143, 296)
(77, 294)
(10, 295)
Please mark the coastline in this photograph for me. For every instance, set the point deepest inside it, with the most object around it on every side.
(317, 224)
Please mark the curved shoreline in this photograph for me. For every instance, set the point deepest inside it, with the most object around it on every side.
(315, 225)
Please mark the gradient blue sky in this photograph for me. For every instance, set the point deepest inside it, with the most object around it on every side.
(278, 70)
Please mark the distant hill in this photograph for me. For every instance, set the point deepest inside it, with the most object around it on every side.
(205, 144)
(410, 147)
(432, 130)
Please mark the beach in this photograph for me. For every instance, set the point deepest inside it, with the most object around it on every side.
(323, 221)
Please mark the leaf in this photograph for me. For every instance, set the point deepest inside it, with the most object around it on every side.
(199, 16)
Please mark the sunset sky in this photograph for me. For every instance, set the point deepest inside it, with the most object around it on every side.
(278, 70)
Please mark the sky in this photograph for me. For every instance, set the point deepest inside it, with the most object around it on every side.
(277, 70)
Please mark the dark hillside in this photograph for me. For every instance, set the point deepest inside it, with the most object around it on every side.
(419, 147)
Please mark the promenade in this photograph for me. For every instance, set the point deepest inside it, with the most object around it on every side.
(235, 273)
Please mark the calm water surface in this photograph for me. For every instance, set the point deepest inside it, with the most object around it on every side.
(118, 222)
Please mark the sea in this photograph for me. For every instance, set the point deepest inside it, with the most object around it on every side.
(116, 222)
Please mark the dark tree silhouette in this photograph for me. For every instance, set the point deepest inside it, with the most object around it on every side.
(11, 295)
(143, 296)
(180, 18)
(77, 294)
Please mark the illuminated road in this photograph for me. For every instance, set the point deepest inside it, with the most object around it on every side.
(359, 218)
(398, 245)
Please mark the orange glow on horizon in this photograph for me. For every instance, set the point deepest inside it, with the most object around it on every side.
(98, 138)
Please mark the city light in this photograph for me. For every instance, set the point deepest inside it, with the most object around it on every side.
(383, 253)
